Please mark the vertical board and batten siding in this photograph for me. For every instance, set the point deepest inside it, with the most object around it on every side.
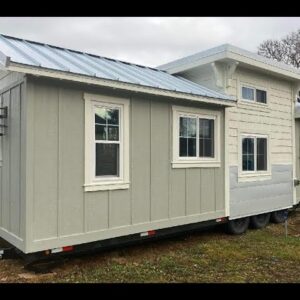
(12, 184)
(158, 197)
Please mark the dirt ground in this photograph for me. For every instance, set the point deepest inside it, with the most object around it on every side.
(208, 256)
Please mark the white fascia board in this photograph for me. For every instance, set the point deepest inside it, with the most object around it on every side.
(232, 53)
(196, 63)
(115, 84)
(4, 60)
(262, 65)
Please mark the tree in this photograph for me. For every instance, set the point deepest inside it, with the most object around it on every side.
(285, 50)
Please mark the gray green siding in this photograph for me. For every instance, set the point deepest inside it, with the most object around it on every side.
(159, 196)
(12, 185)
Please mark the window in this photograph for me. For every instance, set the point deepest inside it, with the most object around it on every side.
(261, 96)
(195, 137)
(248, 93)
(193, 142)
(253, 94)
(254, 154)
(106, 143)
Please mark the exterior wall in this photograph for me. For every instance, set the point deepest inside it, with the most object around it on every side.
(204, 75)
(259, 197)
(297, 140)
(61, 213)
(275, 119)
(12, 164)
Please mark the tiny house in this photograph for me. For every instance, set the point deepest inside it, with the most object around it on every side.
(95, 149)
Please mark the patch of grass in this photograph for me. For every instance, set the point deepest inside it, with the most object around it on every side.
(258, 256)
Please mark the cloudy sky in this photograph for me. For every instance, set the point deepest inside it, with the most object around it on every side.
(149, 41)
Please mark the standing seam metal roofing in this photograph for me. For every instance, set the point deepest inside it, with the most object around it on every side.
(51, 57)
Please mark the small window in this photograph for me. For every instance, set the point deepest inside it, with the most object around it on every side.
(254, 154)
(255, 95)
(261, 96)
(196, 137)
(248, 93)
(193, 142)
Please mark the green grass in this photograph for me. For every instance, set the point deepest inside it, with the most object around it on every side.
(212, 256)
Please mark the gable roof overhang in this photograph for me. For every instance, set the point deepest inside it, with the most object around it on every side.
(229, 53)
(49, 73)
(40, 59)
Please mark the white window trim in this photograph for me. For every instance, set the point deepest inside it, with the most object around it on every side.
(93, 183)
(195, 162)
(254, 175)
(253, 102)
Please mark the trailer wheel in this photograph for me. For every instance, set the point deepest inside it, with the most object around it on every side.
(238, 226)
(279, 216)
(260, 221)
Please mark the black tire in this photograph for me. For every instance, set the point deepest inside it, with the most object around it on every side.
(260, 221)
(238, 226)
(279, 216)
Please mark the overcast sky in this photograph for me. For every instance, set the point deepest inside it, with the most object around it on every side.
(149, 41)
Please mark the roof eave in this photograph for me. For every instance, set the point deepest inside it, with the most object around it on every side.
(50, 73)
(227, 53)
(4, 60)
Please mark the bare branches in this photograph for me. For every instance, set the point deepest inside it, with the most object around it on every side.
(286, 50)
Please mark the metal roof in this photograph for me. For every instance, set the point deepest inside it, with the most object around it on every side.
(197, 57)
(45, 56)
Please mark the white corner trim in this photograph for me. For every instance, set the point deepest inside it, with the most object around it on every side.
(93, 183)
(226, 164)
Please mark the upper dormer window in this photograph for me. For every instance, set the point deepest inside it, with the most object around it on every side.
(253, 94)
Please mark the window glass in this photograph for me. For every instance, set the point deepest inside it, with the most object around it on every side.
(187, 138)
(107, 159)
(247, 93)
(248, 154)
(206, 138)
(261, 96)
(106, 124)
(261, 154)
(107, 141)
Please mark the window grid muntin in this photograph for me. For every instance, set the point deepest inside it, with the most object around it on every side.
(213, 132)
(106, 141)
(255, 137)
(255, 91)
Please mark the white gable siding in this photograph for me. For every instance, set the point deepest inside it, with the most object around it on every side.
(275, 118)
